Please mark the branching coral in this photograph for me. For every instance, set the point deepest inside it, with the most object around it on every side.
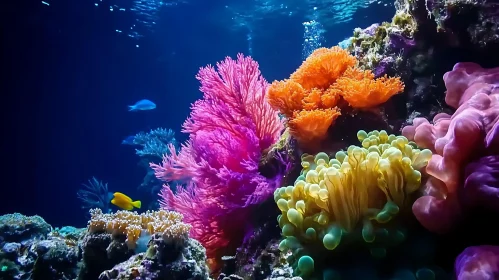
(311, 97)
(332, 196)
(229, 128)
(154, 143)
(470, 133)
(95, 194)
(168, 223)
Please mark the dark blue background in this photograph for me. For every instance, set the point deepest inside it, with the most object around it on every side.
(68, 78)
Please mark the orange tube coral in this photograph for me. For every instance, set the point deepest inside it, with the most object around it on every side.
(323, 67)
(362, 91)
(309, 98)
(286, 96)
(311, 126)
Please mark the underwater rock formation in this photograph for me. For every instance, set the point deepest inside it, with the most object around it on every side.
(424, 39)
(19, 228)
(31, 249)
(163, 260)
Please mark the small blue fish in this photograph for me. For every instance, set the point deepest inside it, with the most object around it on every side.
(128, 140)
(142, 105)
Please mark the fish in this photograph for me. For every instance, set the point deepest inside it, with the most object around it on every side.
(125, 202)
(142, 105)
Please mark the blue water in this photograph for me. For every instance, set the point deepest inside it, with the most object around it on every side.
(71, 76)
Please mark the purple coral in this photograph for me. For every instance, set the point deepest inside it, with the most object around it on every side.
(371, 29)
(399, 42)
(229, 128)
(469, 136)
(478, 262)
(481, 186)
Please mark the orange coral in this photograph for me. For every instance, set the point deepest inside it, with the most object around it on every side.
(309, 98)
(362, 91)
(330, 98)
(311, 126)
(287, 96)
(323, 67)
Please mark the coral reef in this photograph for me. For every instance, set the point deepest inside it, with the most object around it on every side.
(313, 96)
(363, 184)
(152, 146)
(467, 139)
(229, 129)
(19, 228)
(423, 40)
(163, 260)
(31, 250)
(134, 226)
(416, 206)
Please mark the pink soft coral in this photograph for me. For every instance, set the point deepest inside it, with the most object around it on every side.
(469, 134)
(229, 128)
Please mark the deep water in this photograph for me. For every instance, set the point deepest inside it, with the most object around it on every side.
(68, 78)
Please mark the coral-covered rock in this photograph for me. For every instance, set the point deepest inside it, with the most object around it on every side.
(54, 259)
(475, 22)
(36, 252)
(100, 252)
(163, 260)
(423, 40)
(22, 229)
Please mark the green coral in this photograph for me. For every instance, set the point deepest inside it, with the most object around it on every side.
(333, 196)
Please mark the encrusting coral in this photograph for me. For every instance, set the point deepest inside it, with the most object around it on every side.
(334, 195)
(312, 97)
(133, 225)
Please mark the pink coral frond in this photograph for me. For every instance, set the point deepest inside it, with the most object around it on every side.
(176, 166)
(239, 86)
(229, 128)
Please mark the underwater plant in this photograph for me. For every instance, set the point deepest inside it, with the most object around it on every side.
(327, 80)
(229, 128)
(333, 196)
(95, 194)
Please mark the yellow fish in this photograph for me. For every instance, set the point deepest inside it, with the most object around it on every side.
(125, 202)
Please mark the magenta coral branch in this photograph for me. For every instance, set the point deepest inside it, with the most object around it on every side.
(229, 128)
(238, 86)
